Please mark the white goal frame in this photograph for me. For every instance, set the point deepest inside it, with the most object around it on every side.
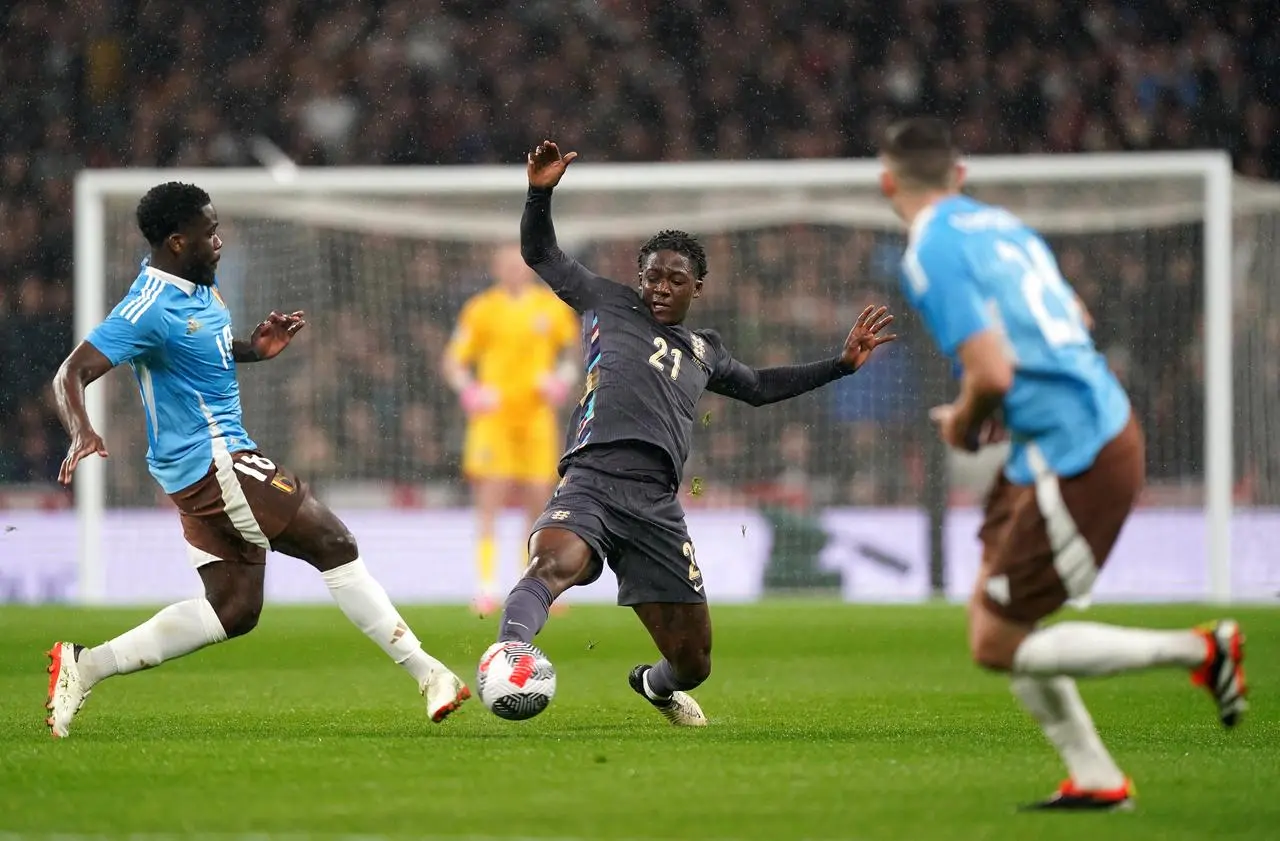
(94, 187)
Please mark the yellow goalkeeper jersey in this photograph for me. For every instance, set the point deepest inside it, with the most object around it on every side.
(512, 340)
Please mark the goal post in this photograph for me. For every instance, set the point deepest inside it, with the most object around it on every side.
(334, 234)
(90, 308)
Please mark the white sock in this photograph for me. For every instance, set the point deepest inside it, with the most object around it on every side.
(1055, 703)
(1088, 649)
(367, 605)
(177, 630)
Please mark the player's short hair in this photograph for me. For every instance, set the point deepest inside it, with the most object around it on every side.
(168, 208)
(921, 151)
(680, 243)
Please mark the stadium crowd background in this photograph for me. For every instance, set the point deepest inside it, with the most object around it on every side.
(107, 83)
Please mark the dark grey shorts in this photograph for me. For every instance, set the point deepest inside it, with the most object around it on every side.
(636, 526)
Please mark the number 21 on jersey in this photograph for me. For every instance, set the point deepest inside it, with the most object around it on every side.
(657, 357)
(1041, 283)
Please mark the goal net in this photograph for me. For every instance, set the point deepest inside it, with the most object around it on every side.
(830, 489)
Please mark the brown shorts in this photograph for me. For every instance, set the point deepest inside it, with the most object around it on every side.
(243, 503)
(1043, 544)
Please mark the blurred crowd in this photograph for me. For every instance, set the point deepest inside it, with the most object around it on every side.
(109, 83)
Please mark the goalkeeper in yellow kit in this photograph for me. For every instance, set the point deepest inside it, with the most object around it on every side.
(511, 362)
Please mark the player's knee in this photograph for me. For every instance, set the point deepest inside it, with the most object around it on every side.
(338, 548)
(559, 566)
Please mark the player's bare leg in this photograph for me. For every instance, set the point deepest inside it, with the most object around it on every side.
(682, 633)
(317, 536)
(534, 495)
(230, 608)
(488, 495)
(1055, 703)
(1044, 661)
(558, 560)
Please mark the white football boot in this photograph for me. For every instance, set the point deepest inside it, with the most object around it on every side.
(680, 709)
(66, 689)
(445, 692)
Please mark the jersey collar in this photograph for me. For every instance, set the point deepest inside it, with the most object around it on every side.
(171, 279)
(922, 220)
(925, 216)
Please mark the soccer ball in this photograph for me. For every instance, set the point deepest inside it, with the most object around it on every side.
(516, 680)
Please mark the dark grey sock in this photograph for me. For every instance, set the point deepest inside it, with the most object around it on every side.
(525, 612)
(662, 680)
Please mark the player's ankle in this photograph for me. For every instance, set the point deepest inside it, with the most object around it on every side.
(421, 665)
(95, 664)
(648, 690)
(84, 663)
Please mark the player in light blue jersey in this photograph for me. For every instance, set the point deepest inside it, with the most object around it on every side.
(175, 332)
(991, 295)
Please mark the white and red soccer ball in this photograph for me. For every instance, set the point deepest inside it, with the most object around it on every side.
(516, 680)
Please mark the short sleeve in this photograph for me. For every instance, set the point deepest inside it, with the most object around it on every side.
(945, 293)
(135, 327)
(465, 341)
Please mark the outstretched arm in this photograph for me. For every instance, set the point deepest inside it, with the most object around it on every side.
(576, 285)
(759, 387)
(85, 365)
(762, 386)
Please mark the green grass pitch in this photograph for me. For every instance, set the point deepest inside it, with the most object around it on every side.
(827, 721)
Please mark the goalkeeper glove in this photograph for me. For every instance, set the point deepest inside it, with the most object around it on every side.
(477, 399)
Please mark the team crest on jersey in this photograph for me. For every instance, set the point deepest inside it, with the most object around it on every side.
(699, 347)
(541, 323)
(560, 516)
(193, 326)
(218, 295)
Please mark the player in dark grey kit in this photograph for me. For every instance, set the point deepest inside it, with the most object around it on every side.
(629, 439)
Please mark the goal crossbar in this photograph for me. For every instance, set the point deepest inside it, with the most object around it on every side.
(701, 175)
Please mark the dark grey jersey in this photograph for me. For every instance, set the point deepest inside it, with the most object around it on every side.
(644, 378)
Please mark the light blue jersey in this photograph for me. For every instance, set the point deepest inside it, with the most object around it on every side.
(177, 337)
(971, 267)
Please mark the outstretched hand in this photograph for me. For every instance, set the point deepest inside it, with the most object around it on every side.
(83, 445)
(866, 336)
(546, 166)
(274, 334)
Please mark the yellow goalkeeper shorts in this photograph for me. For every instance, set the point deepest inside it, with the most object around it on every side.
(521, 447)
